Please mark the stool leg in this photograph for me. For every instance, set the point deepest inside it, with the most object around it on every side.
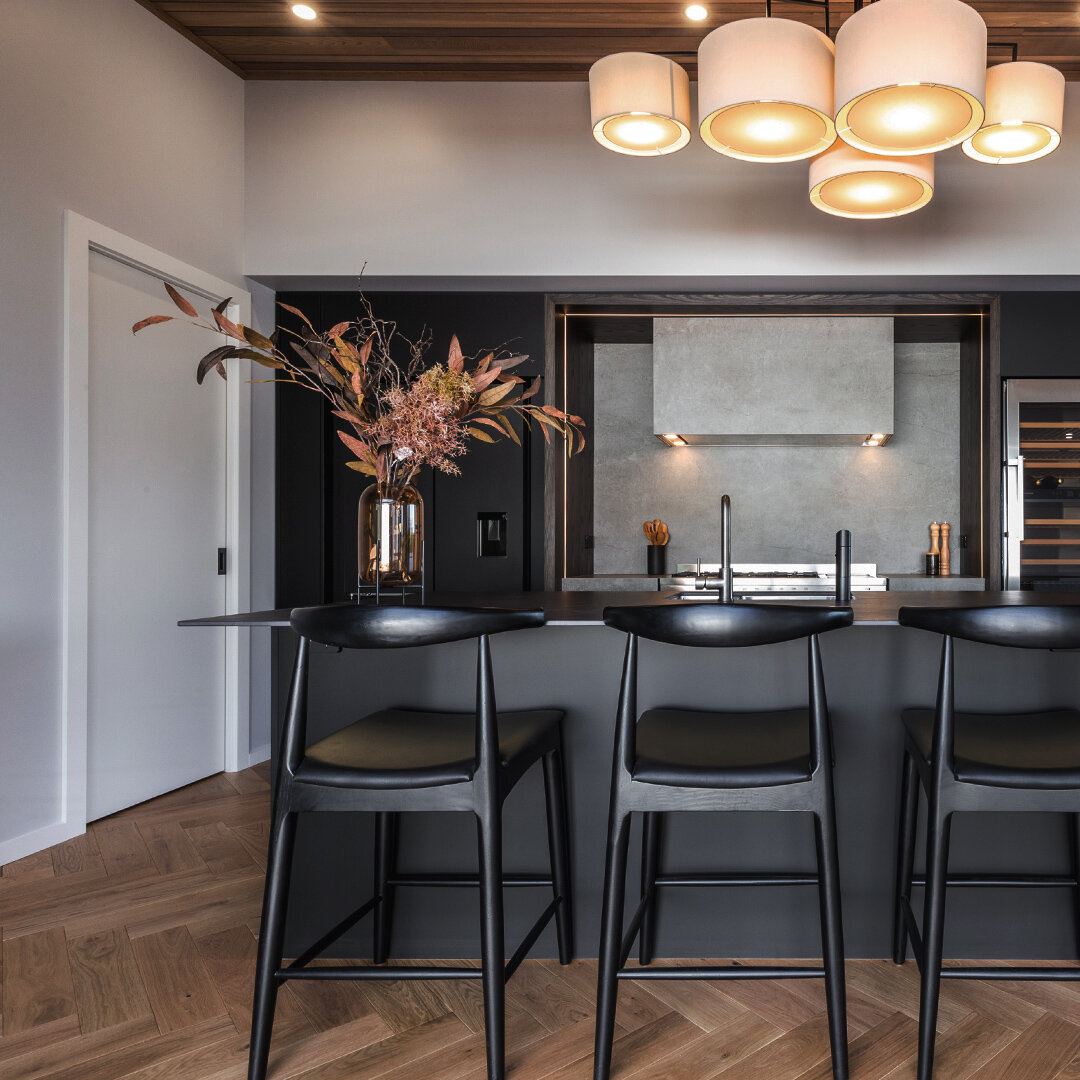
(832, 935)
(492, 948)
(271, 941)
(607, 987)
(905, 855)
(933, 929)
(651, 832)
(559, 851)
(1074, 850)
(386, 834)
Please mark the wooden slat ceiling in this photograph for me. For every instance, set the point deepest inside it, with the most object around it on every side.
(526, 40)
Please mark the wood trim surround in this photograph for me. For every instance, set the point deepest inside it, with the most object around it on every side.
(568, 506)
(531, 40)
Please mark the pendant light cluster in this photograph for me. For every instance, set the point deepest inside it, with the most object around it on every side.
(905, 79)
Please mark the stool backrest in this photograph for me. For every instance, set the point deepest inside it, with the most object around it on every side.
(712, 625)
(355, 626)
(719, 626)
(1028, 626)
(1020, 626)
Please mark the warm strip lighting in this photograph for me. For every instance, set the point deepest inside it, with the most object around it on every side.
(850, 183)
(1024, 106)
(910, 76)
(302, 11)
(640, 104)
(674, 440)
(876, 440)
(765, 90)
(696, 12)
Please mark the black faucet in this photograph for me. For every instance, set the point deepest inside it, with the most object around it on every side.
(843, 567)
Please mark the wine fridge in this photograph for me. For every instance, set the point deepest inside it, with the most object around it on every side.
(1041, 489)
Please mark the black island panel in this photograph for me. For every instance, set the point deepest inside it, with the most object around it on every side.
(873, 670)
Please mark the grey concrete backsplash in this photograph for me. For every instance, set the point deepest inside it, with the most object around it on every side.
(787, 501)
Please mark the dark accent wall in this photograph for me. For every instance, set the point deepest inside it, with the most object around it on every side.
(317, 494)
(1040, 335)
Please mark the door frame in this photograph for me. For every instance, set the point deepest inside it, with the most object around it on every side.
(82, 237)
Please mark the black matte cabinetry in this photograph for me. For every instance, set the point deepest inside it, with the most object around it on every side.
(483, 528)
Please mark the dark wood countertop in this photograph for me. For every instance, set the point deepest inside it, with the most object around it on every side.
(586, 608)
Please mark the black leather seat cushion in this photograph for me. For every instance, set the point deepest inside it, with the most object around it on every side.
(1017, 750)
(402, 748)
(692, 748)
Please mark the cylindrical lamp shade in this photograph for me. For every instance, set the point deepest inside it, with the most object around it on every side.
(640, 104)
(910, 76)
(765, 90)
(851, 183)
(1024, 106)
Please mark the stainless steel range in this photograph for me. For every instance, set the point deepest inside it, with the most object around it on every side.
(772, 581)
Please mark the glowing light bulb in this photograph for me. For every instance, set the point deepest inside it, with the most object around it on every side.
(908, 118)
(870, 192)
(641, 132)
(302, 11)
(1010, 140)
(770, 129)
(696, 12)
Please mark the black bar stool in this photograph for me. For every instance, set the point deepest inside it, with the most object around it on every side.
(683, 759)
(979, 761)
(400, 760)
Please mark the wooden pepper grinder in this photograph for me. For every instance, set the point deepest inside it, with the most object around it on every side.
(945, 528)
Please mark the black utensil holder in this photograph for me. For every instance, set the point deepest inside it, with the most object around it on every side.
(654, 559)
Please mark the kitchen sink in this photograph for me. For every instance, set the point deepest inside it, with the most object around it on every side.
(705, 595)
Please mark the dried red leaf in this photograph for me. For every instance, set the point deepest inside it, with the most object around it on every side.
(455, 361)
(180, 302)
(152, 321)
(230, 328)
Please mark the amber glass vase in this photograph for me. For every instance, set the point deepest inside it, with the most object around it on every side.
(390, 535)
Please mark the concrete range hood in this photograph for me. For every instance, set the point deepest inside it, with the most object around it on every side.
(773, 380)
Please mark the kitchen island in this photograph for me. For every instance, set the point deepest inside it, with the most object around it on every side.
(873, 670)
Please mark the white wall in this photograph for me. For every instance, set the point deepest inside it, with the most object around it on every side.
(107, 111)
(506, 179)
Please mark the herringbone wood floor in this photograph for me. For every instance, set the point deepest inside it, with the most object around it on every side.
(128, 953)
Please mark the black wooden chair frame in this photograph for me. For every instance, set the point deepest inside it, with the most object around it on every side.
(946, 795)
(629, 796)
(482, 796)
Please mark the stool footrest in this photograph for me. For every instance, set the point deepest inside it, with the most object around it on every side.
(425, 880)
(331, 935)
(382, 973)
(1004, 881)
(1020, 974)
(530, 938)
(298, 969)
(748, 972)
(750, 878)
(633, 928)
(912, 930)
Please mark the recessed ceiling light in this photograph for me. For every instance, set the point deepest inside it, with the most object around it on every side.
(697, 12)
(302, 11)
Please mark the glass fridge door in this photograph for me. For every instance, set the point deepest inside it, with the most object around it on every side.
(1042, 484)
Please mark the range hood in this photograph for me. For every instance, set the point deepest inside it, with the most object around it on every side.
(773, 380)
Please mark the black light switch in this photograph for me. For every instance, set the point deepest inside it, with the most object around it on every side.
(491, 535)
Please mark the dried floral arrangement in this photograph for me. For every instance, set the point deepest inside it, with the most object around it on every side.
(402, 415)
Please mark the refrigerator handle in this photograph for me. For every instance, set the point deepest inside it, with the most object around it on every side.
(1014, 489)
(1014, 520)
